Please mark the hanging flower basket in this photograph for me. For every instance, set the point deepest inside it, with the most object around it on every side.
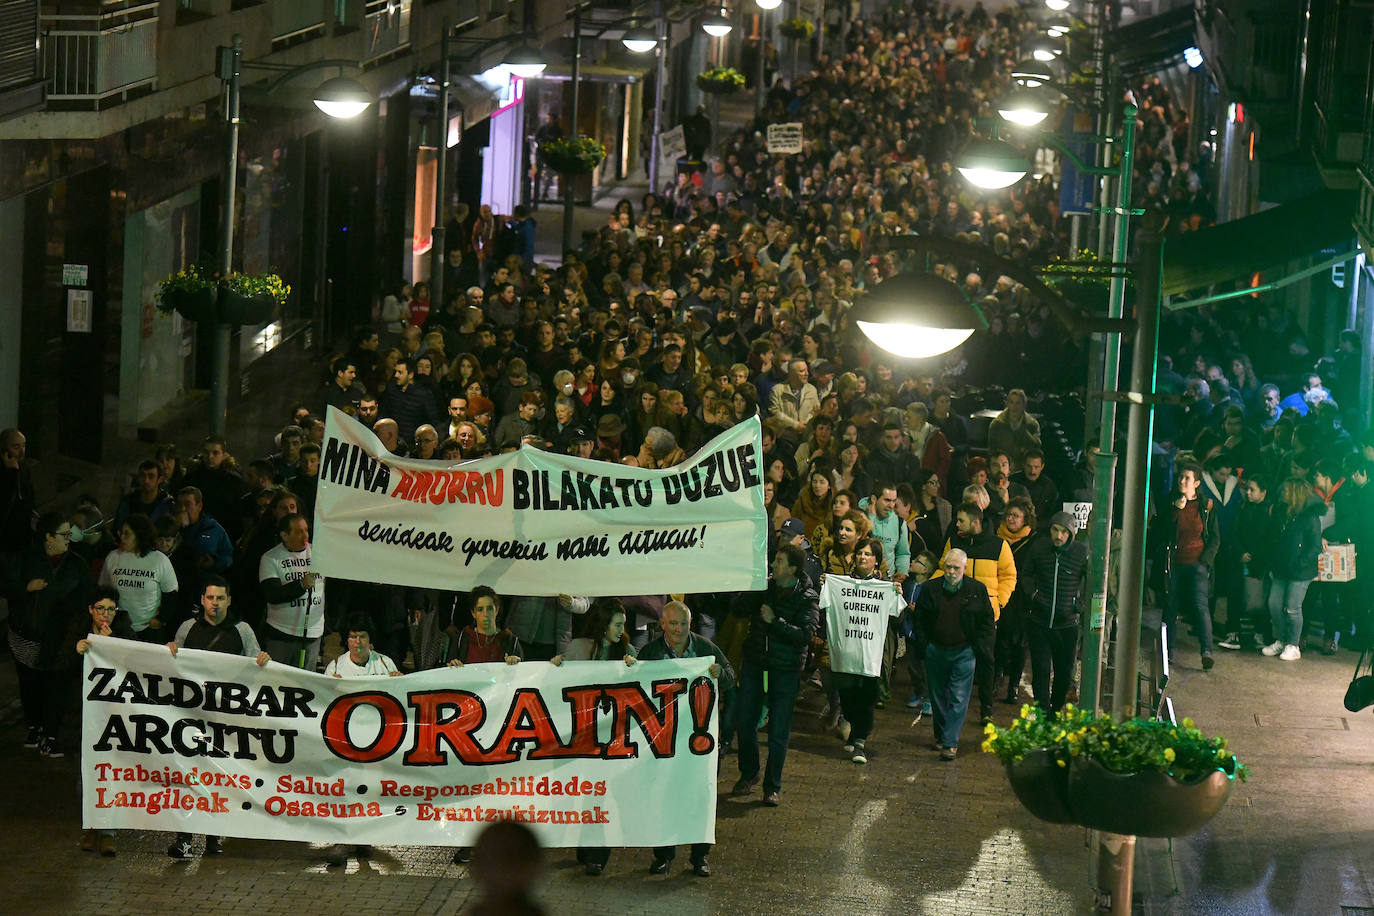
(578, 156)
(720, 80)
(1042, 786)
(192, 304)
(1136, 778)
(251, 298)
(198, 294)
(797, 29)
(1146, 803)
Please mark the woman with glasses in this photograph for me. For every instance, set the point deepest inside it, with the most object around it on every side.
(47, 591)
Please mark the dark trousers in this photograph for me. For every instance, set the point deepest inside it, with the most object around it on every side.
(782, 697)
(1010, 650)
(858, 696)
(31, 693)
(593, 855)
(1189, 585)
(1052, 652)
(916, 667)
(984, 674)
(699, 852)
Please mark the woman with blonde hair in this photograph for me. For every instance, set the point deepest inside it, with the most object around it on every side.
(1293, 564)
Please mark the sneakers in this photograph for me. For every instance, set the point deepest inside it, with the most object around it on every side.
(180, 848)
(659, 867)
(48, 748)
(985, 717)
(1290, 654)
(1207, 662)
(843, 729)
(948, 753)
(849, 748)
(915, 701)
(35, 737)
(462, 855)
(1274, 648)
(701, 869)
(1230, 641)
(771, 799)
(860, 755)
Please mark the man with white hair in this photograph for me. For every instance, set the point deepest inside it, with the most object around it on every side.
(678, 641)
(955, 623)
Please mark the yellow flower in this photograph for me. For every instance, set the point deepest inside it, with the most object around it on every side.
(1188, 723)
(990, 729)
(987, 746)
(1169, 754)
(1061, 763)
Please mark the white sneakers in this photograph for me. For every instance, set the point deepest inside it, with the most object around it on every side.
(1274, 648)
(1290, 654)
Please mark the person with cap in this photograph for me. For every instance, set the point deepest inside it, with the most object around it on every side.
(823, 377)
(481, 411)
(609, 430)
(793, 531)
(1051, 578)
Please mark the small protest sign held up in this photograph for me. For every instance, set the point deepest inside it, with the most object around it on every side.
(785, 138)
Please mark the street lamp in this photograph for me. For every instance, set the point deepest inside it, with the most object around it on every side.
(1057, 5)
(639, 40)
(992, 164)
(338, 98)
(917, 315)
(525, 62)
(1023, 107)
(1032, 73)
(717, 25)
(1045, 48)
(768, 4)
(342, 97)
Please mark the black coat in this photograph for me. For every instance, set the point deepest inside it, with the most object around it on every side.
(47, 615)
(782, 644)
(1052, 580)
(975, 615)
(1299, 544)
(1255, 533)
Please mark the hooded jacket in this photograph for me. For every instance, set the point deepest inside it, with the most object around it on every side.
(781, 645)
(1052, 580)
(1299, 543)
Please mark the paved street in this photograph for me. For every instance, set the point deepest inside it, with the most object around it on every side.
(906, 834)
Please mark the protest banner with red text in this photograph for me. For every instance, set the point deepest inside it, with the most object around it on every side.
(531, 522)
(587, 754)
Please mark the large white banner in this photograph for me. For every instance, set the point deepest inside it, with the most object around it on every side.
(589, 753)
(537, 523)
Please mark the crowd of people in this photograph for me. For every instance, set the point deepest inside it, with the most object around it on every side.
(724, 297)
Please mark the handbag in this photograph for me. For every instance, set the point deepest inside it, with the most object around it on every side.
(1360, 694)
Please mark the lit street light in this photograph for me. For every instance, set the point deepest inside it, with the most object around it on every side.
(342, 97)
(916, 315)
(1024, 107)
(992, 164)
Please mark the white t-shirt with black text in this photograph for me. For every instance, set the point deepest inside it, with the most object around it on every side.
(857, 612)
(140, 581)
(293, 618)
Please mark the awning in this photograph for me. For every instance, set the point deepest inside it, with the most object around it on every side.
(1145, 44)
(1265, 241)
(477, 99)
(596, 73)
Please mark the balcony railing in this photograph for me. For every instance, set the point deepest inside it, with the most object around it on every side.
(386, 27)
(91, 59)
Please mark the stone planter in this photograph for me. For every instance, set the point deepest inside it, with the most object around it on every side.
(1144, 804)
(1042, 786)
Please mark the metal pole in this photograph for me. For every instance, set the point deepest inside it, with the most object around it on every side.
(324, 318)
(1116, 854)
(760, 70)
(1103, 478)
(568, 231)
(660, 75)
(438, 255)
(229, 61)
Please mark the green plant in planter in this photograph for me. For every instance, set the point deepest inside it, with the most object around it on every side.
(1133, 746)
(797, 28)
(251, 286)
(576, 156)
(192, 281)
(720, 80)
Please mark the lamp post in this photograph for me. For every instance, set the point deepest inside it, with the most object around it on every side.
(338, 98)
(762, 91)
(568, 204)
(438, 244)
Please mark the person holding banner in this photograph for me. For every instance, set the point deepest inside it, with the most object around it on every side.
(295, 597)
(678, 641)
(215, 631)
(782, 620)
(856, 639)
(107, 619)
(608, 642)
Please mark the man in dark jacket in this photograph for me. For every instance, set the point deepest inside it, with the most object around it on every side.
(678, 641)
(955, 625)
(1051, 577)
(1191, 534)
(411, 405)
(891, 460)
(782, 620)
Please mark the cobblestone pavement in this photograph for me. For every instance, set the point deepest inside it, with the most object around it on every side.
(905, 834)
